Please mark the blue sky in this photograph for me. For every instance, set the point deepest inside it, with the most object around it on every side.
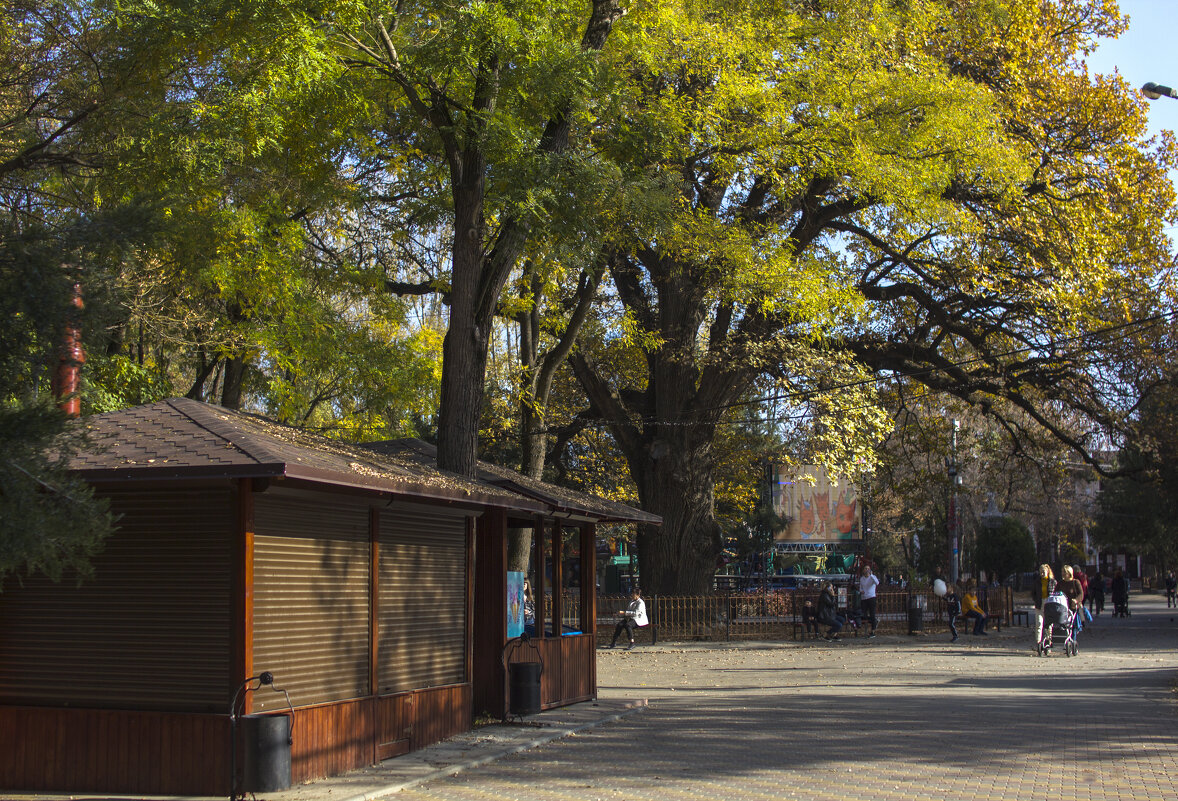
(1144, 53)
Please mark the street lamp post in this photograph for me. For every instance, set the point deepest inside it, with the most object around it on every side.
(1155, 90)
(953, 528)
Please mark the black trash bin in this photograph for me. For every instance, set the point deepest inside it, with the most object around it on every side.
(266, 742)
(916, 607)
(524, 687)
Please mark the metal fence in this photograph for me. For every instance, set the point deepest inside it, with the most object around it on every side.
(778, 615)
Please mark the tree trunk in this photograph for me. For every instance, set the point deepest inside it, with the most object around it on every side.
(234, 377)
(480, 272)
(519, 549)
(464, 350)
(675, 481)
(533, 442)
(204, 369)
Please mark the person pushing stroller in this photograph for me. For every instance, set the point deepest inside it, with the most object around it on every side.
(1120, 588)
(1057, 623)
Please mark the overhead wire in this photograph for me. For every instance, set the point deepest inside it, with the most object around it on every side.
(893, 376)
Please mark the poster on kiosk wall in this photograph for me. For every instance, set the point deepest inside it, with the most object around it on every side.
(515, 603)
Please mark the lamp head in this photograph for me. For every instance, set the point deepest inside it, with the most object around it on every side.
(1155, 90)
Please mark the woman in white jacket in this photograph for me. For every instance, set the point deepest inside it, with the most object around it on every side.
(633, 615)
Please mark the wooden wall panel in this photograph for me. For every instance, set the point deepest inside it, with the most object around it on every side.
(578, 668)
(439, 713)
(333, 738)
(394, 725)
(569, 668)
(112, 751)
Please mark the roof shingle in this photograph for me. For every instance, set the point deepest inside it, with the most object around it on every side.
(179, 438)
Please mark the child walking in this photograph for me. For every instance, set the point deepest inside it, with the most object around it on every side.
(952, 609)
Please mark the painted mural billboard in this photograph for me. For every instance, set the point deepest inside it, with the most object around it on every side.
(820, 508)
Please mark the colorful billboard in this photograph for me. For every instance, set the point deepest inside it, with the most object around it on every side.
(821, 509)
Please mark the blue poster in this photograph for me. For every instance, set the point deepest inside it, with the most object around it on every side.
(515, 603)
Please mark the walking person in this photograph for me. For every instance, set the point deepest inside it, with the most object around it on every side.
(1171, 589)
(633, 615)
(867, 584)
(1120, 588)
(1096, 593)
(952, 609)
(828, 615)
(1069, 585)
(1082, 577)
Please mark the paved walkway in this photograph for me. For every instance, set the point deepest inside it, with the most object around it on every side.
(894, 717)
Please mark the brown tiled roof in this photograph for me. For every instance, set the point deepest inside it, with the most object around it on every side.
(561, 500)
(182, 438)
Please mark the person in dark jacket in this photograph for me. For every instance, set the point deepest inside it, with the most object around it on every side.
(1120, 588)
(952, 610)
(1069, 585)
(809, 619)
(1096, 593)
(828, 615)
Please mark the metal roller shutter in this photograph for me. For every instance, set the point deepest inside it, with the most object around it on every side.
(311, 596)
(422, 599)
(151, 630)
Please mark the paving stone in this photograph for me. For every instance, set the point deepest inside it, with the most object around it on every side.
(895, 717)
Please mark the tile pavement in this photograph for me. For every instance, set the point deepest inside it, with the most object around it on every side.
(891, 718)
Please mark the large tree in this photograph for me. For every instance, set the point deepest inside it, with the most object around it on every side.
(1138, 511)
(472, 108)
(934, 189)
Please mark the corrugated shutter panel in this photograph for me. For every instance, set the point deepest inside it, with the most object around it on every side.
(311, 596)
(151, 630)
(422, 599)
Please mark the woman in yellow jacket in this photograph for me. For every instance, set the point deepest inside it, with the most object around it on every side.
(970, 608)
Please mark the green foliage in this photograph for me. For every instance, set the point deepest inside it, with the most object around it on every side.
(50, 521)
(1005, 549)
(1138, 511)
(118, 381)
(792, 198)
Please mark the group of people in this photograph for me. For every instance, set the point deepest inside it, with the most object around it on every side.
(1073, 583)
(827, 612)
(1059, 605)
(1089, 593)
(967, 605)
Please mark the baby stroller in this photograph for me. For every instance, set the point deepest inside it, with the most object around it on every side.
(1059, 625)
